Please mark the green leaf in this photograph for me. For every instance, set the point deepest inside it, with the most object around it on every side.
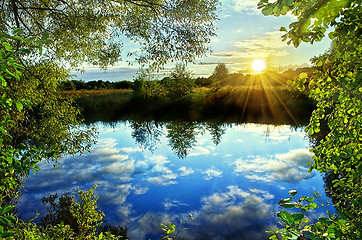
(311, 205)
(325, 220)
(6, 209)
(5, 222)
(288, 205)
(19, 106)
(303, 75)
(6, 234)
(286, 217)
(298, 217)
(7, 46)
(293, 192)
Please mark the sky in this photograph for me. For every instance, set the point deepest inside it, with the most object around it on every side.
(243, 35)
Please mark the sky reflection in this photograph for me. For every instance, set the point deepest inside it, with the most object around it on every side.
(231, 186)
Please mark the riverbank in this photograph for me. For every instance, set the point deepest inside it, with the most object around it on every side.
(226, 104)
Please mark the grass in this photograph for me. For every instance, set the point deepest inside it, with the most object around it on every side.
(228, 104)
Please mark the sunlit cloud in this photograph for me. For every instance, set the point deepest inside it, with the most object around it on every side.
(266, 46)
(211, 173)
(287, 167)
(185, 171)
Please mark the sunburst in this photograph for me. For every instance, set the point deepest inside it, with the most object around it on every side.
(258, 65)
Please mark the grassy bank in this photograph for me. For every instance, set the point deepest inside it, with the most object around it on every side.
(228, 104)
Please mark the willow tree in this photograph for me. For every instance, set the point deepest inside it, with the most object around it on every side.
(94, 31)
(337, 88)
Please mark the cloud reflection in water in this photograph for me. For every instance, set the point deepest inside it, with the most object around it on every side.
(231, 185)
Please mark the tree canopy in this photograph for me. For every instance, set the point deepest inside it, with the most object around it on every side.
(93, 31)
(336, 86)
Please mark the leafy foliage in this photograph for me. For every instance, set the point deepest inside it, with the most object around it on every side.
(336, 87)
(301, 225)
(83, 31)
(71, 216)
(220, 71)
(180, 82)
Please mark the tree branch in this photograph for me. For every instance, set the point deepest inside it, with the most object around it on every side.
(343, 87)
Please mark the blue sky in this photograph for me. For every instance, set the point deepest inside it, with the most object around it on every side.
(243, 35)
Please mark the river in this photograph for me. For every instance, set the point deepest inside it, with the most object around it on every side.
(229, 176)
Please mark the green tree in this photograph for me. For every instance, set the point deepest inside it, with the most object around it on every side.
(220, 72)
(91, 31)
(181, 137)
(336, 86)
(35, 123)
(180, 82)
(145, 87)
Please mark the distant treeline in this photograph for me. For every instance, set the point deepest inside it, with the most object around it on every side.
(274, 79)
(75, 85)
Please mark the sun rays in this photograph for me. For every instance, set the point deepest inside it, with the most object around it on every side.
(258, 65)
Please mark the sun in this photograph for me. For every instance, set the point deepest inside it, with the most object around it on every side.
(258, 65)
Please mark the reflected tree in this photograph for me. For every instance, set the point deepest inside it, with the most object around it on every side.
(181, 137)
(216, 131)
(147, 134)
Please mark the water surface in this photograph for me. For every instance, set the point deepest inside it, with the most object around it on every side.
(228, 176)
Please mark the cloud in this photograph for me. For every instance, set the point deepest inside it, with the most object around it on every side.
(287, 167)
(198, 150)
(211, 173)
(268, 45)
(246, 6)
(168, 203)
(185, 171)
(232, 214)
(138, 190)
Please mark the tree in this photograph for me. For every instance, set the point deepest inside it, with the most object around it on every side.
(180, 82)
(220, 71)
(336, 86)
(82, 31)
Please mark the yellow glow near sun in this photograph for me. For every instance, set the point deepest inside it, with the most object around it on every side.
(258, 65)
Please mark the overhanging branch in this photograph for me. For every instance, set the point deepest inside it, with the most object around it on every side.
(334, 80)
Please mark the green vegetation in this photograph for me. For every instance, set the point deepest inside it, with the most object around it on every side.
(90, 32)
(37, 123)
(267, 97)
(336, 88)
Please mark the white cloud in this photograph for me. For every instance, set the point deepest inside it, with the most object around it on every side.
(168, 203)
(211, 173)
(138, 190)
(120, 167)
(163, 180)
(198, 150)
(246, 6)
(230, 214)
(287, 167)
(185, 171)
